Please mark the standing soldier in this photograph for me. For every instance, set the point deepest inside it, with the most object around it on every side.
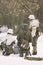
(34, 29)
(23, 40)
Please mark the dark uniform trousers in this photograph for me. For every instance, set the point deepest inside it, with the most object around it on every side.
(24, 48)
(34, 42)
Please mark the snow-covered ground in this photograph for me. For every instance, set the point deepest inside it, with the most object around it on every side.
(16, 60)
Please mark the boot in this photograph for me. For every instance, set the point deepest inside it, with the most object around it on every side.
(34, 50)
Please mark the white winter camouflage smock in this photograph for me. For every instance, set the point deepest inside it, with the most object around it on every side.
(33, 25)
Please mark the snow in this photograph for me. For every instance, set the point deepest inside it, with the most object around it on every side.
(40, 46)
(4, 28)
(16, 60)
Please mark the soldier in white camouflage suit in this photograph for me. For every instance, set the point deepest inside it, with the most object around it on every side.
(34, 29)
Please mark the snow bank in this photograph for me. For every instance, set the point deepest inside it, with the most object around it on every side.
(40, 46)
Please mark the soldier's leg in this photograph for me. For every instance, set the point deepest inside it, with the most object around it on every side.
(21, 52)
(34, 50)
(26, 52)
(34, 44)
(6, 52)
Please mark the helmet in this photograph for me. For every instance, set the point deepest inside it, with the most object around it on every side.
(31, 17)
(10, 31)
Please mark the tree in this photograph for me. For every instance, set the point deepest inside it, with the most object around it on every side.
(17, 11)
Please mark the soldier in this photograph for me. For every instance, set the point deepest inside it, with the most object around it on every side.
(7, 49)
(34, 29)
(23, 40)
